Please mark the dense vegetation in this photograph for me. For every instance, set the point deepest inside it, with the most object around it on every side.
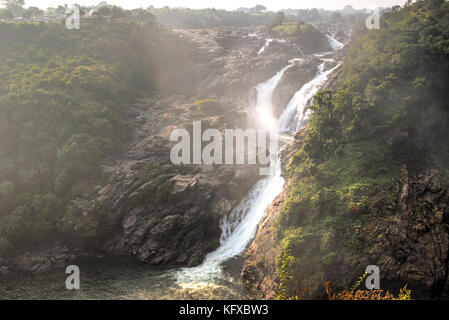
(65, 97)
(244, 17)
(390, 112)
(209, 18)
(302, 34)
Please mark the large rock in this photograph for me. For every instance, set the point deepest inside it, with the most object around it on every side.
(56, 256)
(182, 230)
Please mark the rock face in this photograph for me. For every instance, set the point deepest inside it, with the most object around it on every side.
(154, 210)
(184, 227)
(410, 240)
(302, 72)
(260, 268)
(232, 62)
(414, 248)
(56, 256)
(410, 243)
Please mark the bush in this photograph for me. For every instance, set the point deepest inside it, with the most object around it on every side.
(6, 14)
(308, 38)
(404, 294)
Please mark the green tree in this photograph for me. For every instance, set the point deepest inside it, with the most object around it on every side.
(15, 6)
(32, 12)
(104, 11)
(6, 14)
(259, 8)
(277, 20)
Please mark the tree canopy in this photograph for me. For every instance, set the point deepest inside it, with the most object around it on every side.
(64, 105)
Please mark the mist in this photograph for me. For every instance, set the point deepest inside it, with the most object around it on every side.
(229, 5)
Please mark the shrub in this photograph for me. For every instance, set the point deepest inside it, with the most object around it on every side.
(404, 294)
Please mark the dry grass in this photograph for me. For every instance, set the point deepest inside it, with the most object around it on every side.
(404, 294)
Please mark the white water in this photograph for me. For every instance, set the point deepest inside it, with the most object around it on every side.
(263, 107)
(266, 44)
(207, 280)
(294, 115)
(240, 227)
(299, 49)
(335, 44)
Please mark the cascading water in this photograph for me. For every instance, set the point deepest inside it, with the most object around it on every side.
(298, 49)
(294, 115)
(334, 43)
(241, 226)
(263, 107)
(266, 44)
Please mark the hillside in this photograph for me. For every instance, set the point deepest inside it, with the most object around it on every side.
(369, 184)
(65, 105)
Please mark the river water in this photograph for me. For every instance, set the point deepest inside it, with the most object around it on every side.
(218, 277)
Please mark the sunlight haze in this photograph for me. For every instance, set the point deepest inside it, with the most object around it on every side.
(229, 5)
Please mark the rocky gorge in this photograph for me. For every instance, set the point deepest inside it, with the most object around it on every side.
(148, 209)
(165, 214)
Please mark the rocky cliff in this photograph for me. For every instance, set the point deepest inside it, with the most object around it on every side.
(408, 242)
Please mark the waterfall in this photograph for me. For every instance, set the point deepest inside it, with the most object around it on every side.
(295, 113)
(241, 226)
(263, 107)
(298, 49)
(335, 45)
(266, 44)
(238, 233)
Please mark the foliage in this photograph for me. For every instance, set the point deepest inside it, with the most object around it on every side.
(208, 18)
(32, 12)
(154, 174)
(307, 37)
(389, 111)
(404, 294)
(13, 3)
(285, 290)
(277, 20)
(358, 283)
(186, 18)
(285, 275)
(64, 98)
(5, 14)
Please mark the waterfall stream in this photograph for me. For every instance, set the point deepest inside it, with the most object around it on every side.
(334, 43)
(295, 113)
(240, 227)
(266, 44)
